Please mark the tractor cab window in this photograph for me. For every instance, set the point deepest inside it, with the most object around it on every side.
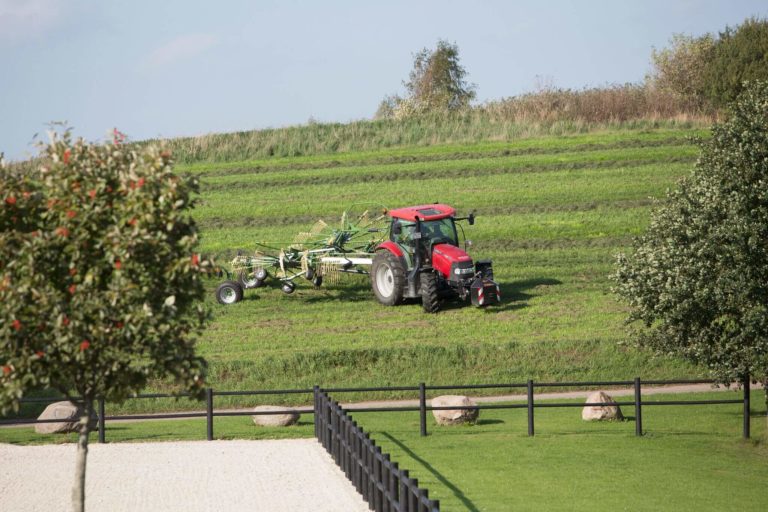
(441, 231)
(402, 232)
(433, 231)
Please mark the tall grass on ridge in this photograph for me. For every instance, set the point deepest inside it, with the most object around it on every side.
(547, 112)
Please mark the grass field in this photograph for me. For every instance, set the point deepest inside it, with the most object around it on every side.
(552, 214)
(690, 458)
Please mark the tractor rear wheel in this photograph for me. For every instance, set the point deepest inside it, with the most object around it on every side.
(387, 278)
(429, 296)
(229, 292)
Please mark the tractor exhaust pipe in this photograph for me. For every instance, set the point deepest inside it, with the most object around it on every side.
(417, 256)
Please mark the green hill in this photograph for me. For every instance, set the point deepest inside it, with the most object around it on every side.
(552, 213)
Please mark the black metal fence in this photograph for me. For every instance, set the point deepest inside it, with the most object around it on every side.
(531, 404)
(529, 388)
(380, 481)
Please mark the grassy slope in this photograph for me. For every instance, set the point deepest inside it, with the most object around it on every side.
(552, 213)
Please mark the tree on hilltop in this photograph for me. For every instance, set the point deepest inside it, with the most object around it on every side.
(697, 280)
(437, 83)
(681, 68)
(99, 280)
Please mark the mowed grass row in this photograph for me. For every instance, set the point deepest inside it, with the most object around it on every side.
(486, 166)
(514, 195)
(585, 142)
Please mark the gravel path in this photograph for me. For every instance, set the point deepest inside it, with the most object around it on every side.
(287, 475)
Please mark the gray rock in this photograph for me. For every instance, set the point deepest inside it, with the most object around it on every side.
(454, 416)
(67, 412)
(289, 417)
(598, 412)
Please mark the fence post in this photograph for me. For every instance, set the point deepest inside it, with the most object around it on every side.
(423, 408)
(403, 493)
(530, 407)
(423, 495)
(413, 496)
(209, 411)
(102, 427)
(315, 407)
(638, 408)
(746, 406)
(394, 488)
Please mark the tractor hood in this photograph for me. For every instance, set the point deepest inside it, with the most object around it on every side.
(451, 261)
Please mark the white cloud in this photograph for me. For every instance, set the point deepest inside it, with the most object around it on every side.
(24, 19)
(182, 48)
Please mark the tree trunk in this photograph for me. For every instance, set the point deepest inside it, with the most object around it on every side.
(78, 490)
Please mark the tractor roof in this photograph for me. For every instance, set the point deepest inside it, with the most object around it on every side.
(424, 212)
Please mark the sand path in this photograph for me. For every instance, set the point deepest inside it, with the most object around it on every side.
(274, 476)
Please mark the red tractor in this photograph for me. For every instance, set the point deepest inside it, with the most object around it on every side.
(422, 258)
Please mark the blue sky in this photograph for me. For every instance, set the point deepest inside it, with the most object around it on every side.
(174, 67)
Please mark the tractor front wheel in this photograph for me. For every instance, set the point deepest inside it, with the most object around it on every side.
(229, 292)
(387, 278)
(429, 297)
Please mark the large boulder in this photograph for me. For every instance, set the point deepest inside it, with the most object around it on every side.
(601, 412)
(67, 412)
(454, 416)
(287, 416)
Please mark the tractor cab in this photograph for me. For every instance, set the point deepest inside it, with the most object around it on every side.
(423, 227)
(422, 258)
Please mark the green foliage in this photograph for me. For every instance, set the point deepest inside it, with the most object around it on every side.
(740, 54)
(100, 285)
(698, 278)
(681, 68)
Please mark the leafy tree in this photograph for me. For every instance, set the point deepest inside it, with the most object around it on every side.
(437, 81)
(436, 84)
(740, 54)
(100, 285)
(681, 67)
(698, 278)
